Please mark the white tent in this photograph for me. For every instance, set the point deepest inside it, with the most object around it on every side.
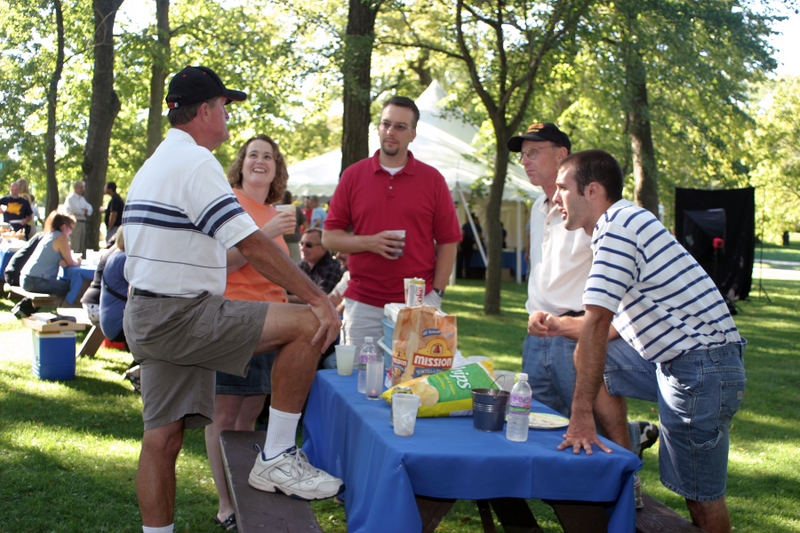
(443, 142)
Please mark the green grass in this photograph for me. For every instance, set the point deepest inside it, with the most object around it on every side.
(775, 252)
(68, 450)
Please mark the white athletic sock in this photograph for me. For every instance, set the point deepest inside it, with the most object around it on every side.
(281, 432)
(166, 529)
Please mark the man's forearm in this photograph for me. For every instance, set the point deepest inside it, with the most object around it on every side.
(445, 259)
(342, 241)
(590, 358)
(112, 218)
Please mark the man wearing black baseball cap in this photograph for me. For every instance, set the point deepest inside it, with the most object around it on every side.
(180, 219)
(196, 84)
(559, 267)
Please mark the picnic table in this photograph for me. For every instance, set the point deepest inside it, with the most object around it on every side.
(390, 480)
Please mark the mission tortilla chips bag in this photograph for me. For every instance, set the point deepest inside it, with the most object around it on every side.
(449, 393)
(424, 342)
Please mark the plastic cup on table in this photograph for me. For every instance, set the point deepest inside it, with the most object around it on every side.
(505, 379)
(404, 409)
(345, 355)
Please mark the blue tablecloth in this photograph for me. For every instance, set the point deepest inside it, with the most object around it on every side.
(350, 437)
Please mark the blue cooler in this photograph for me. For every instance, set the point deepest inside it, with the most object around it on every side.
(54, 355)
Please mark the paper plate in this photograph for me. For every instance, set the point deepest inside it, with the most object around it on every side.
(547, 421)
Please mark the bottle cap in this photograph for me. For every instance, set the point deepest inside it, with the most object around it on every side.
(522, 376)
(367, 339)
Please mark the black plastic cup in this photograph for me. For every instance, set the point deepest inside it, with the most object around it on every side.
(489, 408)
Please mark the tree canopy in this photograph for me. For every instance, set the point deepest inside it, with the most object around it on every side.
(505, 63)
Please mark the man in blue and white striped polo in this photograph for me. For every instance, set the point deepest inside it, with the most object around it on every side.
(665, 305)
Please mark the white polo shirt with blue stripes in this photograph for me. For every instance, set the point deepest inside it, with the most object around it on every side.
(665, 303)
(180, 217)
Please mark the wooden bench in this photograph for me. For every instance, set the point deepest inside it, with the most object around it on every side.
(515, 516)
(93, 339)
(259, 511)
(38, 299)
(658, 518)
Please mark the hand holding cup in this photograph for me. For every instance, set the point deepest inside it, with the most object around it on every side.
(399, 235)
(283, 223)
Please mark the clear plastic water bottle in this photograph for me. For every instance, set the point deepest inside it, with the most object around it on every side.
(375, 373)
(519, 407)
(363, 356)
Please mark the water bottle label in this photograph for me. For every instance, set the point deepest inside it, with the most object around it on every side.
(517, 400)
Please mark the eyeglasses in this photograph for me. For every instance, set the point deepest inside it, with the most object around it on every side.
(531, 153)
(310, 244)
(399, 128)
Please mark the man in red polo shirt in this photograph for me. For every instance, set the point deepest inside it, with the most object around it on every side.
(391, 191)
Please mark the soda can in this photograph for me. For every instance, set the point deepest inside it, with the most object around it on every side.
(416, 290)
(397, 390)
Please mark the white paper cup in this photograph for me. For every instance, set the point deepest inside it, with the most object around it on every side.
(404, 409)
(505, 379)
(398, 233)
(345, 355)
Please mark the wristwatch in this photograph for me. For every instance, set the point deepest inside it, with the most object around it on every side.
(439, 292)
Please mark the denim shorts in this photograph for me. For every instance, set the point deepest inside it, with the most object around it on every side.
(550, 366)
(698, 393)
(257, 381)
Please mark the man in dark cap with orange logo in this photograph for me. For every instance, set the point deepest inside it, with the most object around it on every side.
(180, 218)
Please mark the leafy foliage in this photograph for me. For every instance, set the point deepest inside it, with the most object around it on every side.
(700, 58)
(774, 153)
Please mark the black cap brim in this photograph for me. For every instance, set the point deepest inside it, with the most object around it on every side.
(234, 96)
(515, 143)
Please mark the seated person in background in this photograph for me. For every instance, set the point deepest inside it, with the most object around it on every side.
(90, 301)
(40, 273)
(317, 261)
(258, 176)
(114, 293)
(113, 297)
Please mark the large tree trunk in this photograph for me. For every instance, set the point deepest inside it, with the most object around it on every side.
(51, 202)
(644, 157)
(104, 109)
(356, 72)
(494, 234)
(158, 74)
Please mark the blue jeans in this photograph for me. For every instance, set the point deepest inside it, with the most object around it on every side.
(698, 393)
(58, 287)
(550, 366)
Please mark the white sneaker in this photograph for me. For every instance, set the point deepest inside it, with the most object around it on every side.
(290, 473)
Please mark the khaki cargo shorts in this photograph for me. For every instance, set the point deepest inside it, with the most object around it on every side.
(180, 343)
